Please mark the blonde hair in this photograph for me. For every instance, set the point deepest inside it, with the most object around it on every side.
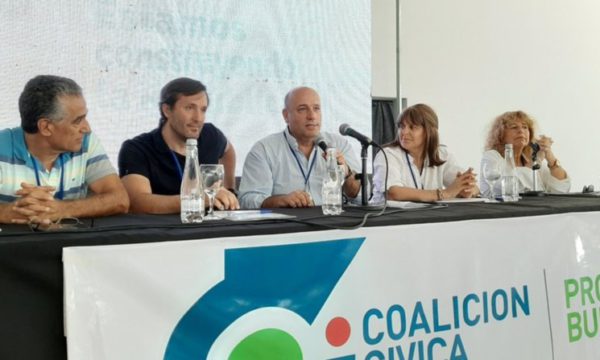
(495, 137)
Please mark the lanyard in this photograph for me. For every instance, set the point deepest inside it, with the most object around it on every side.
(61, 192)
(177, 165)
(306, 176)
(411, 171)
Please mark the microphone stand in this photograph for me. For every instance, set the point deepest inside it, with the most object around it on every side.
(534, 168)
(363, 175)
(364, 183)
(365, 142)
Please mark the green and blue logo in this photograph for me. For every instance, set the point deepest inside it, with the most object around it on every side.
(266, 277)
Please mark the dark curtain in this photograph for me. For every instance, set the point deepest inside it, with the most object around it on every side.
(383, 121)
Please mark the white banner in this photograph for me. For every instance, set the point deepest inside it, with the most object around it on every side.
(517, 288)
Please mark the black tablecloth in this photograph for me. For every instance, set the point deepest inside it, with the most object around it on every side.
(31, 278)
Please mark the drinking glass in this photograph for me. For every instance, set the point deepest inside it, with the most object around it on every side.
(212, 181)
(491, 174)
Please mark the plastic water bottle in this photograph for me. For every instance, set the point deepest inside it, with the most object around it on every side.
(509, 180)
(191, 194)
(331, 191)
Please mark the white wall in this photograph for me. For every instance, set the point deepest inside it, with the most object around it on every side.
(472, 60)
(384, 49)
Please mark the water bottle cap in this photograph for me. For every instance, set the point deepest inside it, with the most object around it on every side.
(191, 142)
(508, 146)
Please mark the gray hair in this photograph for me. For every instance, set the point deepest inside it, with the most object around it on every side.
(40, 99)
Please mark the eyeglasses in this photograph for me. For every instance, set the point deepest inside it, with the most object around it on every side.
(68, 223)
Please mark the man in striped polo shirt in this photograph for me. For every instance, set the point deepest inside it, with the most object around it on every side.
(53, 167)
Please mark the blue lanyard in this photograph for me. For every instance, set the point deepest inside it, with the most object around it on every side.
(312, 164)
(61, 192)
(177, 165)
(411, 171)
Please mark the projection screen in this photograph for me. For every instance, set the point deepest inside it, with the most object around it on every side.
(248, 53)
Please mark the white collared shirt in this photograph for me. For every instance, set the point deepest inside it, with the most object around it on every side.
(271, 169)
(545, 180)
(400, 174)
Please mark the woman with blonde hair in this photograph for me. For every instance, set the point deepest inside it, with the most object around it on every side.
(420, 169)
(518, 128)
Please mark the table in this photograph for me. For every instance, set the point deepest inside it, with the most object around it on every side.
(31, 277)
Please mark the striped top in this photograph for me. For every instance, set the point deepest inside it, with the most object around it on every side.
(80, 168)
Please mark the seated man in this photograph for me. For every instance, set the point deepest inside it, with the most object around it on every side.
(286, 169)
(151, 164)
(53, 166)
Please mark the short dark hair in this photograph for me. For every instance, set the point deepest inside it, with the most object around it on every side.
(40, 98)
(171, 92)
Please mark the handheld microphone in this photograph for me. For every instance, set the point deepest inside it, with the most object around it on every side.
(320, 142)
(346, 130)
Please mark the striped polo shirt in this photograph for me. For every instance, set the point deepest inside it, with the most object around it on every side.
(77, 169)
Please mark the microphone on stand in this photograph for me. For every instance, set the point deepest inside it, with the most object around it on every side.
(535, 147)
(365, 142)
(346, 130)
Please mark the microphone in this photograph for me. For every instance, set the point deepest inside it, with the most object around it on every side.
(346, 130)
(535, 147)
(365, 141)
(320, 142)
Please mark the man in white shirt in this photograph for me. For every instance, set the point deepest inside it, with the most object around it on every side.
(286, 169)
